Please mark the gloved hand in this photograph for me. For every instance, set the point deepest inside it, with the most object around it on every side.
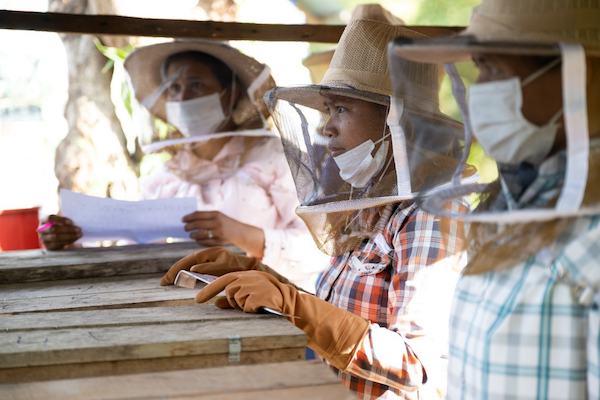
(218, 261)
(333, 333)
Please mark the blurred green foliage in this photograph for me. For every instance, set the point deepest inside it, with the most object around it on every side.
(413, 12)
(161, 128)
(116, 55)
(440, 12)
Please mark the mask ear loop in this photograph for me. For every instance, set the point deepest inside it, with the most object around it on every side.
(228, 117)
(536, 75)
(231, 101)
(540, 72)
(385, 135)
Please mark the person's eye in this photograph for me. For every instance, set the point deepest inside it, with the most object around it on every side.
(494, 72)
(341, 109)
(174, 88)
(196, 85)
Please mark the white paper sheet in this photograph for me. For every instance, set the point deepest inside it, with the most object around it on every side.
(141, 221)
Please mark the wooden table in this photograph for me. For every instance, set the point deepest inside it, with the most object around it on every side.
(86, 313)
(291, 381)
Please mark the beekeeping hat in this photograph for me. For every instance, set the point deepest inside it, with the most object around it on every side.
(338, 214)
(318, 63)
(147, 77)
(526, 27)
(566, 33)
(569, 31)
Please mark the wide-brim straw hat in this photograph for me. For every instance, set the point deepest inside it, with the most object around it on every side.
(318, 63)
(359, 68)
(144, 65)
(524, 27)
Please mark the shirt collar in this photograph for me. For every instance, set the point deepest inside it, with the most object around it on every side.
(550, 176)
(545, 187)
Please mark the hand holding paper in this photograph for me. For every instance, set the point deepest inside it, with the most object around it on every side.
(140, 221)
(57, 232)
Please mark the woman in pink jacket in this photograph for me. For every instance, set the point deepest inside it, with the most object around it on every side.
(222, 154)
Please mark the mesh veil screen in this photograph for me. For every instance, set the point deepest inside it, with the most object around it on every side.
(495, 245)
(338, 215)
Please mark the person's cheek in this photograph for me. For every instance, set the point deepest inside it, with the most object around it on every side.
(347, 134)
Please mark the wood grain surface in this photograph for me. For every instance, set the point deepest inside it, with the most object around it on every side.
(44, 266)
(287, 380)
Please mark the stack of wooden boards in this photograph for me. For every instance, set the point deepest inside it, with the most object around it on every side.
(78, 323)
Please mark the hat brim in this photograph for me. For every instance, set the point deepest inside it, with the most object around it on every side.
(313, 96)
(459, 48)
(143, 66)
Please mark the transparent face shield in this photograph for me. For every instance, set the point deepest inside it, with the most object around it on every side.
(529, 188)
(184, 104)
(434, 142)
(512, 154)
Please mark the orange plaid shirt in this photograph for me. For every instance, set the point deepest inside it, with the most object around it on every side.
(391, 280)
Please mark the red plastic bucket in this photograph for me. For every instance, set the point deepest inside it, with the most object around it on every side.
(17, 229)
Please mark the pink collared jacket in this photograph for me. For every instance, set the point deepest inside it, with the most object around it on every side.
(260, 192)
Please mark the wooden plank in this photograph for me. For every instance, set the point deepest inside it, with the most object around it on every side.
(290, 380)
(130, 26)
(321, 392)
(44, 266)
(122, 367)
(103, 344)
(94, 293)
(128, 316)
(80, 287)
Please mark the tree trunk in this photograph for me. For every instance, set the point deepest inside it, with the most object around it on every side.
(93, 157)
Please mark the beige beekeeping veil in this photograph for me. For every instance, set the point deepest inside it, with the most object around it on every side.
(508, 227)
(338, 214)
(148, 81)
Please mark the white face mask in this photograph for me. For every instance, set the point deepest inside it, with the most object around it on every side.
(358, 167)
(501, 128)
(198, 116)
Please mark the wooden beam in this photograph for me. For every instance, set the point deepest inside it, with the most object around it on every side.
(130, 26)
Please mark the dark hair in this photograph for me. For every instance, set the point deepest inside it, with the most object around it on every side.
(219, 69)
(541, 61)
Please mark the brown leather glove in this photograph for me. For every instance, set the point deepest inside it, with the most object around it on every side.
(333, 333)
(218, 261)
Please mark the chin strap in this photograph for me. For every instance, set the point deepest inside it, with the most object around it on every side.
(576, 126)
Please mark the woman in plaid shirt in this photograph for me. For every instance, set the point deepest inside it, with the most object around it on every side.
(380, 312)
(525, 321)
